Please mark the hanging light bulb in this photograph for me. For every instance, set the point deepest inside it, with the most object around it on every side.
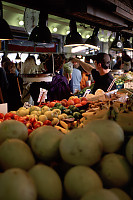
(41, 32)
(93, 41)
(117, 44)
(126, 43)
(73, 38)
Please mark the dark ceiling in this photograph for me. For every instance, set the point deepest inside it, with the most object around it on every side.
(113, 15)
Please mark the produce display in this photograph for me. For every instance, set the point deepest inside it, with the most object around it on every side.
(80, 148)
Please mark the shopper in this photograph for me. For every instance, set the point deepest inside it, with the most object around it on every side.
(127, 61)
(100, 73)
(29, 66)
(58, 88)
(76, 78)
(3, 86)
(15, 86)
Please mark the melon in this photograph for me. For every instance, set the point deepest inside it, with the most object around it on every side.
(110, 133)
(101, 194)
(129, 151)
(79, 180)
(81, 147)
(114, 170)
(15, 153)
(16, 184)
(121, 194)
(13, 129)
(44, 142)
(47, 182)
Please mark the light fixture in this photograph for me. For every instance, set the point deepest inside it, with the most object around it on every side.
(41, 32)
(73, 38)
(117, 44)
(126, 43)
(5, 31)
(93, 41)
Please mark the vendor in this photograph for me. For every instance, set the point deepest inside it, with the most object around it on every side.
(100, 73)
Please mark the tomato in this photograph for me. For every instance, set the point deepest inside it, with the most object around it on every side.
(28, 125)
(83, 103)
(29, 131)
(47, 122)
(37, 124)
(83, 99)
(16, 117)
(1, 116)
(78, 105)
(33, 119)
(76, 100)
(51, 104)
(70, 102)
(21, 119)
(9, 114)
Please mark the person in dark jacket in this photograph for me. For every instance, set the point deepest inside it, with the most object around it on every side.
(15, 87)
(58, 88)
(3, 86)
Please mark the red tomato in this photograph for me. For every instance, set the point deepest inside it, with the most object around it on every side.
(70, 102)
(29, 131)
(36, 124)
(1, 116)
(28, 125)
(83, 103)
(21, 119)
(52, 103)
(16, 117)
(78, 105)
(33, 119)
(9, 114)
(83, 99)
(76, 100)
(47, 122)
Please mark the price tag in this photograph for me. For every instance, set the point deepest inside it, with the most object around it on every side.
(42, 95)
(86, 92)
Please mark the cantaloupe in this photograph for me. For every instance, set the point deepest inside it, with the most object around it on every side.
(15, 153)
(129, 151)
(80, 180)
(44, 142)
(47, 182)
(13, 129)
(110, 133)
(81, 147)
(121, 194)
(101, 194)
(114, 170)
(16, 184)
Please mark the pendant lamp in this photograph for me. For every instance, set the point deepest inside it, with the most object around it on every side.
(5, 31)
(117, 44)
(126, 43)
(41, 32)
(93, 41)
(73, 38)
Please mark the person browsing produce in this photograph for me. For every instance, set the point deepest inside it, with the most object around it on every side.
(100, 73)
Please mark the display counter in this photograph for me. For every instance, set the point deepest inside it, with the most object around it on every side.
(29, 78)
